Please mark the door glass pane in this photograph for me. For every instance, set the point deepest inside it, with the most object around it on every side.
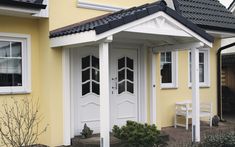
(130, 63)
(85, 88)
(130, 75)
(121, 87)
(130, 87)
(95, 62)
(121, 75)
(95, 75)
(4, 49)
(86, 75)
(16, 49)
(121, 63)
(95, 88)
(85, 62)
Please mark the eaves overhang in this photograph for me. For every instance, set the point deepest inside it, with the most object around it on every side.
(22, 4)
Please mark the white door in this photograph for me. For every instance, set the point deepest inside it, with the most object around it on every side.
(124, 97)
(87, 105)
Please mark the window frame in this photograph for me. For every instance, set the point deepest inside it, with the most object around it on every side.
(25, 39)
(206, 83)
(174, 69)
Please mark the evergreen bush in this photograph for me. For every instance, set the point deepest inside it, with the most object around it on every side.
(138, 135)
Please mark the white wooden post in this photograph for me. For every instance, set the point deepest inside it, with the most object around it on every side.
(153, 93)
(195, 95)
(66, 96)
(104, 93)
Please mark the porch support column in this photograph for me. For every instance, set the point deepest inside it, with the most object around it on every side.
(104, 92)
(153, 90)
(195, 95)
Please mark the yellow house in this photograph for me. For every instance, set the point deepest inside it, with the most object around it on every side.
(103, 62)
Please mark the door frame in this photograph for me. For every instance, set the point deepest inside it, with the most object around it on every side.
(68, 98)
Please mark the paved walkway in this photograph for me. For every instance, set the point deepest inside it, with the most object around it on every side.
(180, 136)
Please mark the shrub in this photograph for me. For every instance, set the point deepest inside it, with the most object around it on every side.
(86, 132)
(220, 140)
(138, 135)
(19, 123)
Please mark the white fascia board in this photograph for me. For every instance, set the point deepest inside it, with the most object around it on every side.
(186, 46)
(90, 36)
(19, 10)
(223, 35)
(73, 39)
(97, 6)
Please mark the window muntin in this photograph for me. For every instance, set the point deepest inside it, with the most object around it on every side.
(203, 67)
(10, 63)
(125, 75)
(90, 75)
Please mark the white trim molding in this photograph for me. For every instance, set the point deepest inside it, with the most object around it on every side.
(97, 6)
(206, 83)
(25, 39)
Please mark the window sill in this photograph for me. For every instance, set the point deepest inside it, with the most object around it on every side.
(200, 86)
(168, 86)
(11, 92)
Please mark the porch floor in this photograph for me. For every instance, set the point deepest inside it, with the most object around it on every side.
(179, 136)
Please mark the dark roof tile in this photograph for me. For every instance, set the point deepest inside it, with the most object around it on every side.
(208, 14)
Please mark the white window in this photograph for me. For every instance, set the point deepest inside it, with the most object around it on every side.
(204, 68)
(169, 72)
(14, 63)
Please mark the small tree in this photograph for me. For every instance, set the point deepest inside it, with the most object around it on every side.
(19, 123)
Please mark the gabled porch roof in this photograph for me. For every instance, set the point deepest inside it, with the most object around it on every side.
(98, 28)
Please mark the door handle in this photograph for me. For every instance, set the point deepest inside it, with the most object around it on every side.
(114, 83)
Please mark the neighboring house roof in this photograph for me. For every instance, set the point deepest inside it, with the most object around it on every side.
(207, 14)
(32, 4)
(109, 21)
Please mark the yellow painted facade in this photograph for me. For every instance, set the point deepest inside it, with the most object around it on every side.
(46, 66)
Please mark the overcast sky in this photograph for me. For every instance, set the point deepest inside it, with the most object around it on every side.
(226, 2)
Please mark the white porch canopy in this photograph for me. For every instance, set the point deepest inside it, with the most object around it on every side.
(158, 31)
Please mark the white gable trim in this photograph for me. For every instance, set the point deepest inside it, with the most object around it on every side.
(160, 26)
(91, 37)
